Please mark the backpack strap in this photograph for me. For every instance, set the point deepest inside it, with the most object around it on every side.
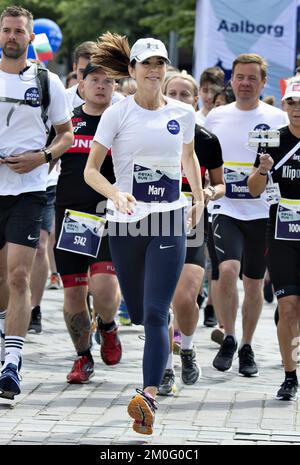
(42, 80)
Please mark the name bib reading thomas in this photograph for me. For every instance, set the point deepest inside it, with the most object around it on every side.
(236, 176)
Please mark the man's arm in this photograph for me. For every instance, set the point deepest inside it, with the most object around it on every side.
(28, 161)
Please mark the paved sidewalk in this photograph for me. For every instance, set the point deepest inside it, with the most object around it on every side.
(222, 408)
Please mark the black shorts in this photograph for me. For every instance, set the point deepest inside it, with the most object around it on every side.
(74, 267)
(239, 239)
(283, 260)
(212, 254)
(21, 218)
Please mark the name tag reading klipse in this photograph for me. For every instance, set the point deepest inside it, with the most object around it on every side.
(156, 180)
(81, 233)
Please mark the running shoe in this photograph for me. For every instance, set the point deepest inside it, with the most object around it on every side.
(124, 318)
(210, 319)
(55, 282)
(142, 409)
(223, 359)
(217, 335)
(82, 371)
(35, 324)
(167, 386)
(9, 382)
(111, 348)
(177, 342)
(288, 390)
(247, 365)
(190, 372)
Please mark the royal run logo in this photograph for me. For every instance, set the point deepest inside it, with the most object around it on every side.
(246, 27)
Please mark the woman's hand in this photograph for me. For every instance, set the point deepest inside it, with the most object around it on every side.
(124, 202)
(195, 214)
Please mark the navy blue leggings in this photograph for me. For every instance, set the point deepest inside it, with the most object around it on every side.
(148, 269)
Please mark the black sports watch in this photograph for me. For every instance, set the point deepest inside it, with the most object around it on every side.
(48, 155)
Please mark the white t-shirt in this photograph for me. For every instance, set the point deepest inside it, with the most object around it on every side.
(75, 101)
(134, 132)
(200, 117)
(23, 130)
(232, 126)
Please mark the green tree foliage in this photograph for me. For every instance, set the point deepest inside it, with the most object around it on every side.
(87, 19)
(165, 16)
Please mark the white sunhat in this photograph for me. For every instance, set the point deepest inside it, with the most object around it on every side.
(146, 48)
(292, 89)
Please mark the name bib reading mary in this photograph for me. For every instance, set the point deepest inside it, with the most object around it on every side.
(156, 180)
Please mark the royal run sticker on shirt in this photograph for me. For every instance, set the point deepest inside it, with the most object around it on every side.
(288, 220)
(81, 233)
(156, 180)
(236, 176)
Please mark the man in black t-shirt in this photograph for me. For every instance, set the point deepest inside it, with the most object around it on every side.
(281, 165)
(74, 194)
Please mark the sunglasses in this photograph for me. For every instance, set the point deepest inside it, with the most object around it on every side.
(292, 101)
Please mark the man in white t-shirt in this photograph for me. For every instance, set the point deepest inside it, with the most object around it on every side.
(239, 220)
(24, 166)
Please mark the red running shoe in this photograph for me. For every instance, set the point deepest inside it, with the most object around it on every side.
(82, 371)
(111, 349)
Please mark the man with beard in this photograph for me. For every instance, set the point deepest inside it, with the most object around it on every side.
(24, 166)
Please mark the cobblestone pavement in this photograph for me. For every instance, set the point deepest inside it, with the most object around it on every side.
(222, 408)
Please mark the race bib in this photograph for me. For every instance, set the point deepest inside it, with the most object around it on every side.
(81, 233)
(288, 220)
(236, 176)
(272, 194)
(156, 180)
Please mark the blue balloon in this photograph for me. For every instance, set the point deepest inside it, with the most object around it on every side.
(51, 29)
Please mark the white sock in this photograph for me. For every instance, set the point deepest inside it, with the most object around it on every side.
(170, 364)
(13, 350)
(2, 335)
(187, 342)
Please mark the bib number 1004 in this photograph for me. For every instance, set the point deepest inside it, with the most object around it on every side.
(79, 240)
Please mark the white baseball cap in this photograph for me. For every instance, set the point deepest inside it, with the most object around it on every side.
(146, 48)
(292, 89)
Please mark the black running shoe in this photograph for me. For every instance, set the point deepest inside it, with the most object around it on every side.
(190, 372)
(35, 324)
(9, 382)
(223, 359)
(167, 386)
(288, 390)
(247, 365)
(209, 316)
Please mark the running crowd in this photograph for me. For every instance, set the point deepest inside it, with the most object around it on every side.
(120, 174)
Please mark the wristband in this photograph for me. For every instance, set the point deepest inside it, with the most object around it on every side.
(263, 174)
